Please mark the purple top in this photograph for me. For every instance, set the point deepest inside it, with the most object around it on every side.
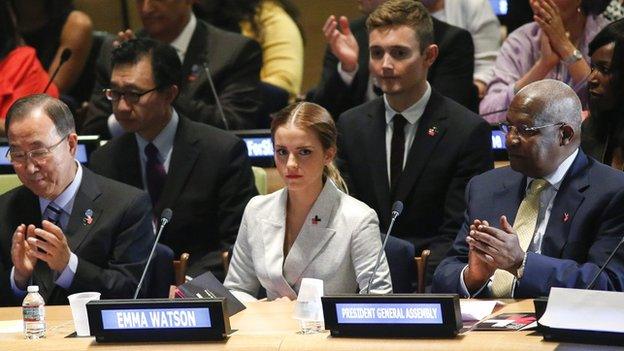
(514, 60)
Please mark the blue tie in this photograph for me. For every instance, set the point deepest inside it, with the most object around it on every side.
(54, 214)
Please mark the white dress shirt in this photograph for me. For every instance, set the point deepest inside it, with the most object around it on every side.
(412, 114)
(163, 143)
(546, 200)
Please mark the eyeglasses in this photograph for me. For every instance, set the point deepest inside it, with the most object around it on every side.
(37, 155)
(523, 129)
(129, 96)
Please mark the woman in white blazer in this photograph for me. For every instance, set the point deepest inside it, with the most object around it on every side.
(309, 229)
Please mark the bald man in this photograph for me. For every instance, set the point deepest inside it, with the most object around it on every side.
(551, 219)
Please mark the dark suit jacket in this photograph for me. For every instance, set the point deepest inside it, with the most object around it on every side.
(208, 186)
(585, 225)
(451, 145)
(234, 63)
(111, 250)
(451, 73)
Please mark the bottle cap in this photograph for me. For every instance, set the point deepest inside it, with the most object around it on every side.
(33, 288)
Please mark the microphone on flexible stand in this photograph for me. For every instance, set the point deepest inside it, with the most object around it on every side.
(214, 93)
(397, 208)
(165, 218)
(593, 281)
(65, 55)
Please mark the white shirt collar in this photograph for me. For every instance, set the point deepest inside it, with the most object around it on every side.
(556, 177)
(66, 199)
(164, 140)
(181, 43)
(413, 113)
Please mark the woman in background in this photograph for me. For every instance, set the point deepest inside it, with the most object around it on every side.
(554, 46)
(21, 72)
(50, 26)
(602, 134)
(273, 24)
(311, 228)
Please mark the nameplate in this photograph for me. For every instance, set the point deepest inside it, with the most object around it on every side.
(431, 315)
(158, 320)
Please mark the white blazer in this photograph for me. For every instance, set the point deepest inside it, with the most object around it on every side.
(338, 244)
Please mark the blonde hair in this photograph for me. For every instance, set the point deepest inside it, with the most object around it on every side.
(313, 117)
(411, 13)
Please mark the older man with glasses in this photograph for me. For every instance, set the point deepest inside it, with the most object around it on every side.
(66, 229)
(549, 220)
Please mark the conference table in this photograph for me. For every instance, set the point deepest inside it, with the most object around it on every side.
(270, 326)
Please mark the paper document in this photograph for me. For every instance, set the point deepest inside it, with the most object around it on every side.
(476, 310)
(12, 326)
(584, 310)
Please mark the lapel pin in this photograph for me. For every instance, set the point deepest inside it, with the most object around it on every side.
(566, 217)
(433, 131)
(88, 217)
(194, 73)
(316, 219)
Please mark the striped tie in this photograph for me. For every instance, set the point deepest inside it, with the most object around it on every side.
(53, 214)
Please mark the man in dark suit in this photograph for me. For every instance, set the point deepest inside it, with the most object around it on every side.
(234, 62)
(96, 233)
(346, 79)
(202, 173)
(566, 209)
(414, 144)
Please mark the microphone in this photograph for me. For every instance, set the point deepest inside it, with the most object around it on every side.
(65, 55)
(593, 281)
(165, 217)
(397, 208)
(493, 112)
(214, 93)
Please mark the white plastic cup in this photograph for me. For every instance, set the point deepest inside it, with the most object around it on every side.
(308, 309)
(78, 302)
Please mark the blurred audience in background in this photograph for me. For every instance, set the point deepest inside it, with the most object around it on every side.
(603, 130)
(554, 45)
(50, 26)
(21, 72)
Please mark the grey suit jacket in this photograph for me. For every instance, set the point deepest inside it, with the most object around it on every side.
(338, 244)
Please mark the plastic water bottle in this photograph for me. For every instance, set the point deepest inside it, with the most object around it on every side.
(33, 310)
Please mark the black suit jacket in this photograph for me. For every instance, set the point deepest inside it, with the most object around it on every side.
(451, 145)
(451, 73)
(111, 251)
(208, 186)
(234, 63)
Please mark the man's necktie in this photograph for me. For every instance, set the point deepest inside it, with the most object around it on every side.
(53, 214)
(397, 149)
(524, 225)
(155, 174)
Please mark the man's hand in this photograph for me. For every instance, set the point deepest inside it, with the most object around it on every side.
(342, 42)
(22, 255)
(51, 239)
(499, 247)
(479, 270)
(126, 35)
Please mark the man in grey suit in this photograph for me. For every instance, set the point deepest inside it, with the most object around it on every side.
(95, 234)
(202, 173)
(234, 62)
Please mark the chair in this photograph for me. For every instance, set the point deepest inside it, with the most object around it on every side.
(400, 256)
(421, 269)
(260, 178)
(179, 268)
(8, 182)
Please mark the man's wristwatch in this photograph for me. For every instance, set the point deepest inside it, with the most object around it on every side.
(575, 56)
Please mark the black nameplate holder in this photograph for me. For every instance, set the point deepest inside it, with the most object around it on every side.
(382, 316)
(158, 320)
